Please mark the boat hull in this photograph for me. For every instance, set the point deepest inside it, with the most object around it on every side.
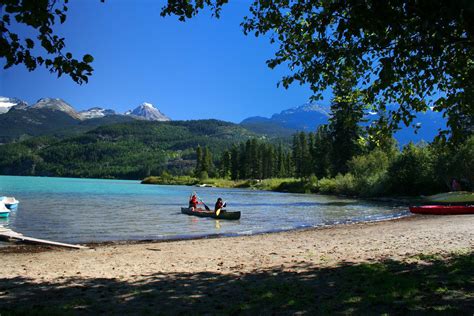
(442, 209)
(203, 213)
(10, 202)
(12, 206)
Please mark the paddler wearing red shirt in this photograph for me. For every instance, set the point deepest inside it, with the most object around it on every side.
(193, 201)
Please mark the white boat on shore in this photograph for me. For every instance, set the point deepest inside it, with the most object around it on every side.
(10, 202)
(4, 211)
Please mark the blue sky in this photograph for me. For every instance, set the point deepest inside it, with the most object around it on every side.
(203, 68)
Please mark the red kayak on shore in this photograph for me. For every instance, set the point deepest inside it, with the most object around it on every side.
(443, 209)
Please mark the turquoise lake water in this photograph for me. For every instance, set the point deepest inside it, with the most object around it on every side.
(93, 210)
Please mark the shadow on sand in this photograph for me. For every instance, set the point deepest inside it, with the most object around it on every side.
(427, 285)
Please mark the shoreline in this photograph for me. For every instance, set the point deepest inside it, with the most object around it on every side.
(237, 235)
(10, 247)
(387, 262)
(23, 247)
(253, 185)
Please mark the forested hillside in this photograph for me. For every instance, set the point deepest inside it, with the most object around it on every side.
(129, 150)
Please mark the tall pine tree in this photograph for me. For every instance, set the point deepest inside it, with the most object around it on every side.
(321, 153)
(199, 161)
(347, 112)
(225, 164)
(207, 162)
(235, 163)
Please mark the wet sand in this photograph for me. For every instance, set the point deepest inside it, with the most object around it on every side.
(25, 268)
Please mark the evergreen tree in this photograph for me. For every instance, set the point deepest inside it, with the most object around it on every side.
(235, 163)
(207, 162)
(305, 159)
(280, 162)
(225, 164)
(346, 114)
(255, 160)
(321, 152)
(244, 168)
(269, 161)
(296, 152)
(199, 161)
(301, 155)
(311, 154)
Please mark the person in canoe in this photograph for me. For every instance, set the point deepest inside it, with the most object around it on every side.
(193, 201)
(219, 204)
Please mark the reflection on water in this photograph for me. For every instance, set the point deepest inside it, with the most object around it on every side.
(87, 210)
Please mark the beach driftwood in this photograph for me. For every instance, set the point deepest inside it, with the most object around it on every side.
(8, 234)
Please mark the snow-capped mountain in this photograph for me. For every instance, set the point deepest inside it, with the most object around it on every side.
(56, 105)
(96, 112)
(146, 111)
(309, 116)
(303, 118)
(7, 103)
(305, 108)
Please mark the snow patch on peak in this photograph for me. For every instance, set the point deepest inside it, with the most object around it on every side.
(96, 112)
(305, 108)
(7, 103)
(147, 111)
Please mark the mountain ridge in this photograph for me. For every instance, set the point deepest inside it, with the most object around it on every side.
(34, 120)
(56, 117)
(56, 104)
(310, 115)
(145, 111)
(305, 117)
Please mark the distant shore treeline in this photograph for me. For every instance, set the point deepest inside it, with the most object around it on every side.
(312, 165)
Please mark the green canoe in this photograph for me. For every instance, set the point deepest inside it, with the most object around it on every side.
(203, 213)
(464, 197)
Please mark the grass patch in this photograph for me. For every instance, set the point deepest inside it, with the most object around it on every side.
(274, 184)
(168, 180)
(389, 287)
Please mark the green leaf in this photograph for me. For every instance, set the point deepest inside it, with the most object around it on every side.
(29, 43)
(87, 58)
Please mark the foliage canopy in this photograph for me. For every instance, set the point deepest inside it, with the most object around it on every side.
(413, 53)
(416, 54)
(47, 48)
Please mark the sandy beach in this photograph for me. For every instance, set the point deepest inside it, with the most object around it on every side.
(200, 276)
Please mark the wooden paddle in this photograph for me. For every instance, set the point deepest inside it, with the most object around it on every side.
(205, 206)
(218, 211)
